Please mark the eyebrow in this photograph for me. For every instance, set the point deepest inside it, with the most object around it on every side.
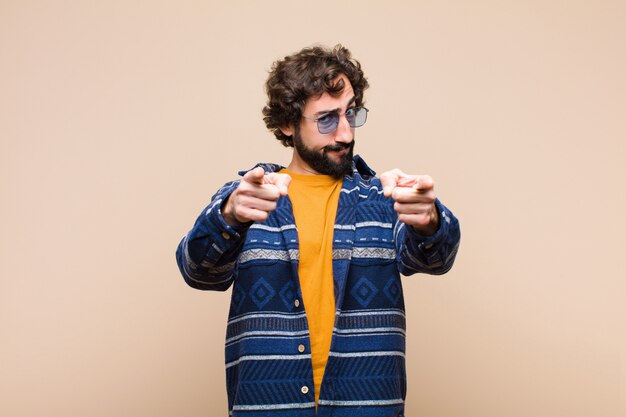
(323, 112)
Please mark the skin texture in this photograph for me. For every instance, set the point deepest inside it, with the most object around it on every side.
(256, 195)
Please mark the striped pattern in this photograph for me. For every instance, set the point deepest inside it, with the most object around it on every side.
(267, 349)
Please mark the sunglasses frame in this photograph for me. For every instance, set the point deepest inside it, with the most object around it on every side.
(337, 116)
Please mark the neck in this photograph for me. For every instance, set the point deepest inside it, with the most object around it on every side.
(298, 166)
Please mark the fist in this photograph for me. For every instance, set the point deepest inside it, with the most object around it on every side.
(414, 200)
(255, 197)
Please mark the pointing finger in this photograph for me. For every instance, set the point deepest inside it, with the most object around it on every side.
(255, 176)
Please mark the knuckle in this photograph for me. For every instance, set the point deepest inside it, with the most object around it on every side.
(270, 192)
(244, 188)
(428, 199)
(274, 193)
(241, 200)
(239, 210)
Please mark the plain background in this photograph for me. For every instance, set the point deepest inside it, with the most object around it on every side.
(119, 119)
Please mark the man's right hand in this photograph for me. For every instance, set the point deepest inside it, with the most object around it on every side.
(255, 197)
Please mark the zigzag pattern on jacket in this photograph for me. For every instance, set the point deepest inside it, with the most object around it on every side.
(267, 352)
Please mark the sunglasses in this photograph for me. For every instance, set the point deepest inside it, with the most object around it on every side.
(328, 122)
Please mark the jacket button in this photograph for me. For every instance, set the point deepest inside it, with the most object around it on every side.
(304, 389)
(296, 303)
(301, 348)
(225, 235)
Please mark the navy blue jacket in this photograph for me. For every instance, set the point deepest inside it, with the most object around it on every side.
(268, 357)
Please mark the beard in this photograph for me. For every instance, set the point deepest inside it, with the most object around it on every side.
(321, 162)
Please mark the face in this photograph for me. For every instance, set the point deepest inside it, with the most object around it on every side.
(329, 154)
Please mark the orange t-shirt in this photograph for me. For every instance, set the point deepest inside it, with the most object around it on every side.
(314, 199)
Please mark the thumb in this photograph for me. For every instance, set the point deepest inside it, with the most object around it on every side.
(255, 176)
(281, 181)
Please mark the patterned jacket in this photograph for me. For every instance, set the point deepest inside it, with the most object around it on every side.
(268, 357)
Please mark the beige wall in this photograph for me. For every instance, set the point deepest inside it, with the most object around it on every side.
(118, 120)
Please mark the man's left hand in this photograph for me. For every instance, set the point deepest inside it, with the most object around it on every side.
(414, 198)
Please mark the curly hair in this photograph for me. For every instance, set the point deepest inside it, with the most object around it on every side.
(308, 73)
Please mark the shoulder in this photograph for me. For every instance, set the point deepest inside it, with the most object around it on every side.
(267, 167)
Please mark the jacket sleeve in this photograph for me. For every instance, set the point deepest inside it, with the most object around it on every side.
(207, 255)
(428, 254)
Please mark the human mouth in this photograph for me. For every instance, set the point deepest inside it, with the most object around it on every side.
(338, 148)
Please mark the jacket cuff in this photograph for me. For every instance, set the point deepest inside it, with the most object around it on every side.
(429, 245)
(225, 237)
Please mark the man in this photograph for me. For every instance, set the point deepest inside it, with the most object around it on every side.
(314, 252)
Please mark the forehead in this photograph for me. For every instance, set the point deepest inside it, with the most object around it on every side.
(326, 102)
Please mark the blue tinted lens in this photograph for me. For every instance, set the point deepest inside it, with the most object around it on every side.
(328, 122)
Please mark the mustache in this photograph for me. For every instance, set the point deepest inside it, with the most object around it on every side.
(338, 147)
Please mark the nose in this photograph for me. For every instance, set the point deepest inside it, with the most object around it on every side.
(344, 133)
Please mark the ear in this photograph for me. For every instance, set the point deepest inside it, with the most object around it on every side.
(287, 130)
